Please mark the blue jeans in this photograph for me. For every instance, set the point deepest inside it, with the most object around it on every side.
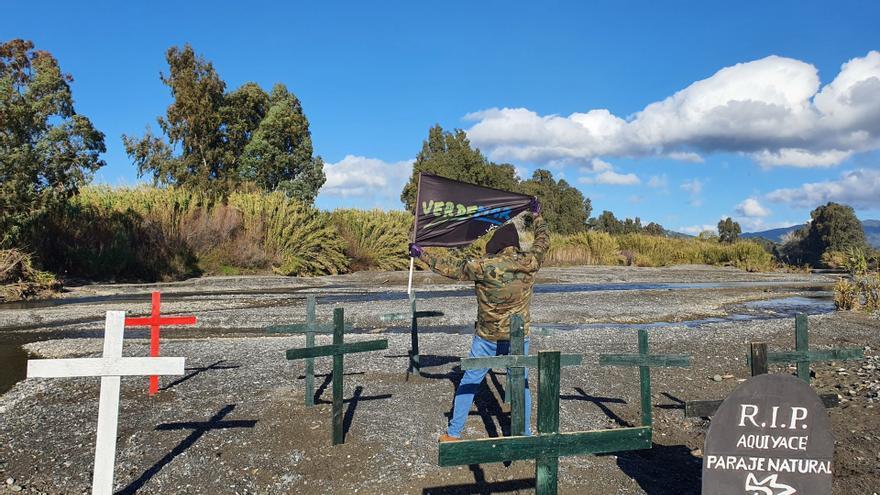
(472, 379)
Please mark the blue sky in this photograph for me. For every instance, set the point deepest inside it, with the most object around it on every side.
(607, 95)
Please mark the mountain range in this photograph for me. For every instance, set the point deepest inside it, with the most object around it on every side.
(872, 232)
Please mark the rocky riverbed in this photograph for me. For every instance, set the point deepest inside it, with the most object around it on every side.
(236, 422)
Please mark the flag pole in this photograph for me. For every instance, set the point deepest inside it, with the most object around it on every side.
(415, 229)
(409, 285)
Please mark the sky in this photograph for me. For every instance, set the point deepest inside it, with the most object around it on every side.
(681, 113)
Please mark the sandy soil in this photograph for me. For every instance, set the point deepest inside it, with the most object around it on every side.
(258, 437)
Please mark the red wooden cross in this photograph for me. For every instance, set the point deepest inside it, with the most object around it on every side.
(155, 321)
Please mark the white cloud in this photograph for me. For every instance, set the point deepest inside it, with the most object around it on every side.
(772, 109)
(858, 188)
(605, 174)
(697, 229)
(694, 187)
(752, 208)
(612, 178)
(358, 176)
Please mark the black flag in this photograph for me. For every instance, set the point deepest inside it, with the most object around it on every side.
(452, 213)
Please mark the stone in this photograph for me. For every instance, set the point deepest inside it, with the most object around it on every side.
(716, 378)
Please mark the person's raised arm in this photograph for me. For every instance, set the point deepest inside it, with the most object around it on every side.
(542, 233)
(452, 264)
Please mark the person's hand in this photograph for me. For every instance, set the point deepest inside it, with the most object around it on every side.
(415, 251)
(535, 206)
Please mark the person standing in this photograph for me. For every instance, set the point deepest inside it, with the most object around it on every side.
(503, 282)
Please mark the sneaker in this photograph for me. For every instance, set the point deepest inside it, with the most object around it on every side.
(446, 438)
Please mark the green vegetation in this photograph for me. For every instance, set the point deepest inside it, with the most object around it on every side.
(728, 230)
(564, 207)
(833, 229)
(228, 139)
(450, 155)
(150, 233)
(374, 239)
(20, 280)
(601, 248)
(607, 222)
(47, 150)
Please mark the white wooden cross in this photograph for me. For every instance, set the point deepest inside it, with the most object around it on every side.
(110, 368)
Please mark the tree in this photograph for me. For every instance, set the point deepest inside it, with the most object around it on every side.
(834, 227)
(449, 154)
(279, 154)
(564, 207)
(228, 138)
(655, 229)
(47, 150)
(607, 222)
(728, 230)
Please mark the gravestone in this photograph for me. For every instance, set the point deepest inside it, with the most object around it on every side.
(413, 316)
(110, 367)
(338, 350)
(771, 436)
(155, 321)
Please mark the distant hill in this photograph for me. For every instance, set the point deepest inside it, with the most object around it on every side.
(872, 232)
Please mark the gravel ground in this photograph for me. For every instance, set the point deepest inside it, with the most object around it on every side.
(271, 443)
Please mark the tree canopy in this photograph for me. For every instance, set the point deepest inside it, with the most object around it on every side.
(607, 222)
(564, 207)
(834, 227)
(227, 139)
(47, 150)
(728, 230)
(449, 154)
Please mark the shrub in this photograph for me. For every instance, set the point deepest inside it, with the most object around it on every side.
(299, 239)
(20, 280)
(150, 233)
(583, 248)
(374, 240)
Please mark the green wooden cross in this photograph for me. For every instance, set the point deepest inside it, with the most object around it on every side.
(549, 444)
(803, 356)
(645, 362)
(516, 363)
(413, 316)
(310, 328)
(338, 349)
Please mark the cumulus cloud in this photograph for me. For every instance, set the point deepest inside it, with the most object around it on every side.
(611, 178)
(658, 181)
(604, 174)
(358, 176)
(752, 208)
(697, 229)
(773, 109)
(858, 188)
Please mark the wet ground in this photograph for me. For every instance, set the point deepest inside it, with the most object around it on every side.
(237, 373)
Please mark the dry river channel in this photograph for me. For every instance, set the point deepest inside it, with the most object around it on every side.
(235, 368)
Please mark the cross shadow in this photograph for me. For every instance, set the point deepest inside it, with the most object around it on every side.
(600, 403)
(480, 486)
(328, 378)
(652, 469)
(198, 370)
(199, 429)
(679, 404)
(431, 360)
(352, 405)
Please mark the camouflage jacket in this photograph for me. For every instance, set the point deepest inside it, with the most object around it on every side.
(503, 282)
